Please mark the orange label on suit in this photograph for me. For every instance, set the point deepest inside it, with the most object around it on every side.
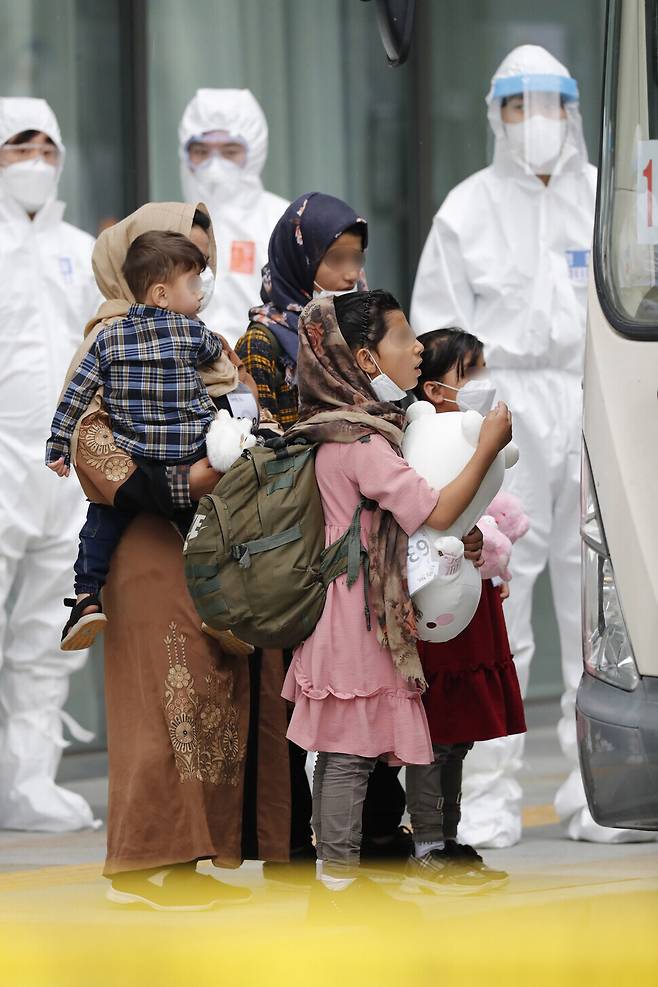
(243, 256)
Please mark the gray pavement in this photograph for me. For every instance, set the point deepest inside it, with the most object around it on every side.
(572, 913)
(543, 849)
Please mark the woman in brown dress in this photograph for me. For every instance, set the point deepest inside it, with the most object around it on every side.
(191, 729)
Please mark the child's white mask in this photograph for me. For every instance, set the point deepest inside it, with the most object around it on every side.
(385, 388)
(476, 395)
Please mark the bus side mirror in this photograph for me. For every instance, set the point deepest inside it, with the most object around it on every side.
(395, 19)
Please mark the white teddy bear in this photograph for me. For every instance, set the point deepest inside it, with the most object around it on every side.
(226, 439)
(446, 588)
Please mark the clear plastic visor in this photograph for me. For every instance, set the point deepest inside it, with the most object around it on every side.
(535, 124)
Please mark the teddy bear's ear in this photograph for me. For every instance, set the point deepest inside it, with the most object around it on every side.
(471, 425)
(419, 409)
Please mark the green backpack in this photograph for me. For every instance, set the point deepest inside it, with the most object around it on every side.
(255, 560)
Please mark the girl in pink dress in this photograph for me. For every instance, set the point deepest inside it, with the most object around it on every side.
(357, 680)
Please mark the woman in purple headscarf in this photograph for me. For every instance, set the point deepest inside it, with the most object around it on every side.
(317, 246)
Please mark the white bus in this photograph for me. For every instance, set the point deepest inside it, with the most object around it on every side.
(617, 705)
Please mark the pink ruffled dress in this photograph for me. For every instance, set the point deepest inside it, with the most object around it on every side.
(349, 697)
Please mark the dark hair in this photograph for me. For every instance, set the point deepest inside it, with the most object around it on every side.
(201, 219)
(26, 136)
(445, 349)
(361, 314)
(157, 256)
(357, 229)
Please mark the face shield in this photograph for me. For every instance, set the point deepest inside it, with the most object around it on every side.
(536, 115)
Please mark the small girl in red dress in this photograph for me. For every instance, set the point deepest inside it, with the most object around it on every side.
(473, 691)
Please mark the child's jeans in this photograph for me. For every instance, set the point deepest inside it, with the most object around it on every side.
(434, 793)
(99, 537)
(340, 782)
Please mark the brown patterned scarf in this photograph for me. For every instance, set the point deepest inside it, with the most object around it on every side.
(337, 404)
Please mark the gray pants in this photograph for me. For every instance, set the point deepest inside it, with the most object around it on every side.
(434, 793)
(340, 782)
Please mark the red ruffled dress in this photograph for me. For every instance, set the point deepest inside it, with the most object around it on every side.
(473, 691)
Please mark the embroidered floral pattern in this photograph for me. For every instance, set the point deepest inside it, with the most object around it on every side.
(204, 734)
(98, 449)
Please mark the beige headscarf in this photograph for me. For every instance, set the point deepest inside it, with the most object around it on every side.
(220, 377)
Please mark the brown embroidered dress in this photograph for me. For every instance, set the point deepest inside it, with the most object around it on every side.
(178, 713)
(198, 761)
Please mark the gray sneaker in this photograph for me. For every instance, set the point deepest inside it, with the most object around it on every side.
(441, 869)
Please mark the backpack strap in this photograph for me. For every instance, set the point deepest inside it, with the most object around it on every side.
(242, 553)
(348, 555)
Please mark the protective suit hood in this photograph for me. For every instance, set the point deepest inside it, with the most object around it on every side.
(19, 113)
(238, 112)
(531, 68)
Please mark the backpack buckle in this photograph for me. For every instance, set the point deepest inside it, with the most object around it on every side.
(240, 554)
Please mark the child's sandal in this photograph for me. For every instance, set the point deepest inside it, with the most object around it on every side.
(82, 628)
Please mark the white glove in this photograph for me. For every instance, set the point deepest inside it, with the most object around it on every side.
(226, 439)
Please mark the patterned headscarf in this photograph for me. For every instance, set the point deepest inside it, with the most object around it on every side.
(298, 243)
(337, 404)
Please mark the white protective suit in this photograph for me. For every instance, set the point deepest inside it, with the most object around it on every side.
(48, 294)
(506, 259)
(242, 222)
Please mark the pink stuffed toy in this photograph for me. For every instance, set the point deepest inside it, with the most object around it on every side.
(504, 522)
(507, 511)
(496, 550)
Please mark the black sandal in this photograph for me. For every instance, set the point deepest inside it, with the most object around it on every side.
(82, 628)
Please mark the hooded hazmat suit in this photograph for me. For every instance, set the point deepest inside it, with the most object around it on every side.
(48, 294)
(242, 211)
(506, 259)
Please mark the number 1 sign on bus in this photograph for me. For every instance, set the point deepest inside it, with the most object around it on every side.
(647, 187)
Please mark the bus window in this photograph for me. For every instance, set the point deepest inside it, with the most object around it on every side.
(626, 234)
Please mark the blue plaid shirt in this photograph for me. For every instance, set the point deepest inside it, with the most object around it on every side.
(147, 363)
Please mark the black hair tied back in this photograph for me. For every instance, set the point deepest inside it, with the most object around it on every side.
(361, 317)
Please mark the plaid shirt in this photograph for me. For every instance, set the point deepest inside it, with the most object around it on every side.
(276, 391)
(157, 403)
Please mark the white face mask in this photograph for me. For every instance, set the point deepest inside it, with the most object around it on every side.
(219, 180)
(208, 285)
(476, 395)
(538, 141)
(319, 292)
(30, 183)
(385, 388)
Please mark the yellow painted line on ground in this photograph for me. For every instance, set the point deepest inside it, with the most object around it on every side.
(48, 877)
(540, 815)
